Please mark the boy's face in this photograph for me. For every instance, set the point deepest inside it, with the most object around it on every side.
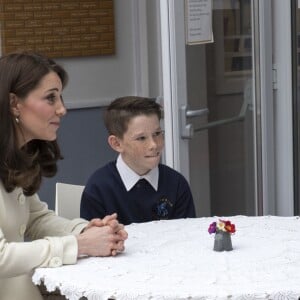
(142, 143)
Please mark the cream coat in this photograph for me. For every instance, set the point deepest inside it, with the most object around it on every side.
(51, 242)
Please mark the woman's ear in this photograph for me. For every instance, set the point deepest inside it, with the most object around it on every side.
(115, 143)
(13, 99)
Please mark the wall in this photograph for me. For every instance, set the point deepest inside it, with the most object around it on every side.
(82, 137)
(96, 80)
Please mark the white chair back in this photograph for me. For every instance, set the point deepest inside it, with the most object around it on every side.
(67, 200)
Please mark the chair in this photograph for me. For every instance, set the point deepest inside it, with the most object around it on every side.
(67, 200)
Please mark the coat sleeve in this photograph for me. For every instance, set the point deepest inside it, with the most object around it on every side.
(44, 222)
(52, 242)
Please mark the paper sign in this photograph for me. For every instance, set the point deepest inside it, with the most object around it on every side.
(198, 20)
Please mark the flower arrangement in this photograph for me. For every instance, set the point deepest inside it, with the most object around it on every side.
(221, 226)
(223, 230)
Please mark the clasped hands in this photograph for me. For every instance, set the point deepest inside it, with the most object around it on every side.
(102, 237)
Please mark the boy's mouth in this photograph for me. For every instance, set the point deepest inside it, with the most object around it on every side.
(154, 155)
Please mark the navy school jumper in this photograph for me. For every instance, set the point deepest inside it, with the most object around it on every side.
(105, 194)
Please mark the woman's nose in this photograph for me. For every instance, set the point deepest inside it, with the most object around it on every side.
(61, 109)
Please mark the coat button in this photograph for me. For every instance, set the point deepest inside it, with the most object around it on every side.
(55, 262)
(21, 198)
(22, 229)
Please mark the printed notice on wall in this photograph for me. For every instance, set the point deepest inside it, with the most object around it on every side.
(198, 21)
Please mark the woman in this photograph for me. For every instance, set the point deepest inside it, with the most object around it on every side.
(31, 107)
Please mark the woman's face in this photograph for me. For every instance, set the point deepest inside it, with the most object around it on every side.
(40, 111)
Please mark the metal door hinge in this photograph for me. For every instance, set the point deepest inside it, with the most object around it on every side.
(274, 77)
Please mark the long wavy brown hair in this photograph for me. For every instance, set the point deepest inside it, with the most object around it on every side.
(20, 73)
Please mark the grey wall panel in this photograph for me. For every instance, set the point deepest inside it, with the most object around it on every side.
(83, 141)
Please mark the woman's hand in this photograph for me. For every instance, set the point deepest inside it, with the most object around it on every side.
(102, 237)
(110, 220)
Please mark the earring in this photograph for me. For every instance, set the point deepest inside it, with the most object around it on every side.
(17, 120)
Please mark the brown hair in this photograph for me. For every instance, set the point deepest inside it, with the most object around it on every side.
(20, 73)
(119, 113)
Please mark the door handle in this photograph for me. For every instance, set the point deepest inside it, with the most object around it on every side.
(196, 113)
(187, 130)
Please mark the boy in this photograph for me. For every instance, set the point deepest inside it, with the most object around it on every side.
(136, 186)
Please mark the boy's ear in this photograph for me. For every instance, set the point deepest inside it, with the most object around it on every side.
(115, 143)
(14, 108)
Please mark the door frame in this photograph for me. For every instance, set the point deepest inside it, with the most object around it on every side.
(174, 83)
(283, 113)
(263, 88)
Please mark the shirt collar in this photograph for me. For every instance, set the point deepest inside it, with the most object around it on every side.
(130, 178)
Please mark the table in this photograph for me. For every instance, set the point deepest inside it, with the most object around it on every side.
(174, 259)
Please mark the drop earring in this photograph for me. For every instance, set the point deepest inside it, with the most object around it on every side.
(17, 120)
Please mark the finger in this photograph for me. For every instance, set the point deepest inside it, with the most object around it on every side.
(123, 234)
(114, 224)
(120, 246)
(96, 222)
(108, 218)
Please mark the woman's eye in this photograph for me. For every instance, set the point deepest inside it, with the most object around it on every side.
(51, 98)
(141, 138)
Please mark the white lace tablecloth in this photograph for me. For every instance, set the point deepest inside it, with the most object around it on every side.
(174, 260)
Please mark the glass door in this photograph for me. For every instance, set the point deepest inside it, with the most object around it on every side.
(229, 124)
(212, 99)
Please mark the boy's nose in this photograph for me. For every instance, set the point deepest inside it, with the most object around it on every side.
(152, 142)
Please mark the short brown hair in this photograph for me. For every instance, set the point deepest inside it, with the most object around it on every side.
(119, 113)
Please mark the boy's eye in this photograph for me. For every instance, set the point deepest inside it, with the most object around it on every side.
(158, 133)
(141, 138)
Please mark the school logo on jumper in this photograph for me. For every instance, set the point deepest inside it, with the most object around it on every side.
(162, 208)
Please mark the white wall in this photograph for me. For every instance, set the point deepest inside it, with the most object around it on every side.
(96, 80)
